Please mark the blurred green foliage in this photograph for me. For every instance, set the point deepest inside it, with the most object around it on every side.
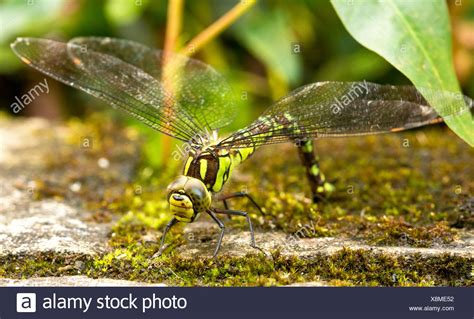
(274, 48)
(397, 31)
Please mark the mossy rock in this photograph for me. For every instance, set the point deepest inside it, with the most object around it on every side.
(401, 216)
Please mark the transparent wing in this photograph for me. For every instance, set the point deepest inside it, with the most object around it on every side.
(196, 87)
(344, 109)
(132, 80)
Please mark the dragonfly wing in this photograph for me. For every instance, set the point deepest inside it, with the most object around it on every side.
(124, 84)
(120, 84)
(198, 90)
(330, 109)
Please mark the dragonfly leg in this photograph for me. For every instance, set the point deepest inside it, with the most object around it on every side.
(221, 226)
(224, 199)
(320, 188)
(246, 215)
(226, 206)
(165, 231)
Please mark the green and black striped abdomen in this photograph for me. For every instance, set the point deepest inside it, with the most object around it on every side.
(317, 181)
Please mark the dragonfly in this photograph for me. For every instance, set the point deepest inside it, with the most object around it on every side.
(190, 101)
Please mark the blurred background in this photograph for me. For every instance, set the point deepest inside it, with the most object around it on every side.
(275, 47)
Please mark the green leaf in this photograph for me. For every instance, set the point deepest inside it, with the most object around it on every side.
(267, 35)
(415, 37)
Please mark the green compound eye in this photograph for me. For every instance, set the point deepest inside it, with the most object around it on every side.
(177, 186)
(200, 196)
(188, 188)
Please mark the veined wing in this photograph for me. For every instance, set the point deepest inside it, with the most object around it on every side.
(197, 88)
(128, 85)
(331, 109)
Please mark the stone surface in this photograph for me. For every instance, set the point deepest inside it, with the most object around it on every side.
(73, 281)
(46, 178)
(48, 226)
(42, 176)
(236, 243)
(310, 284)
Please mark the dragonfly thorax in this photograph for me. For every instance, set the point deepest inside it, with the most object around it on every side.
(212, 167)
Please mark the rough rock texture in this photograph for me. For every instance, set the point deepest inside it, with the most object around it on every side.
(71, 281)
(40, 209)
(47, 226)
(54, 197)
(310, 284)
(236, 243)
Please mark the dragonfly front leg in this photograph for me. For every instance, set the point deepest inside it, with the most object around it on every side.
(320, 188)
(163, 237)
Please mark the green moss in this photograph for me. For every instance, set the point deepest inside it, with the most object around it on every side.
(391, 199)
(42, 265)
(386, 195)
(391, 231)
(346, 267)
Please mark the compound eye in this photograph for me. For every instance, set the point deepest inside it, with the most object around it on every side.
(177, 185)
(196, 190)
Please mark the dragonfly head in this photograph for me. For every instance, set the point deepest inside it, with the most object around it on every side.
(188, 197)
